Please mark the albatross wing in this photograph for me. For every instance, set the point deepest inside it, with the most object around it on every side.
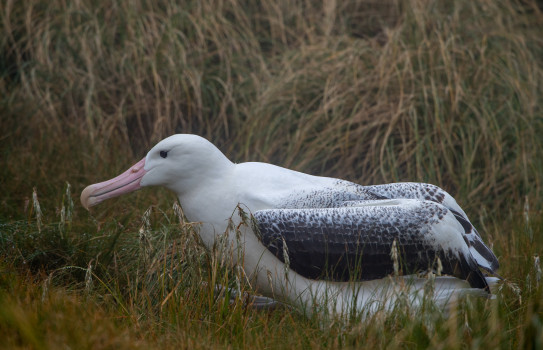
(355, 242)
(481, 253)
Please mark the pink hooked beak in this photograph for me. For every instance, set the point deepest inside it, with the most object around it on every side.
(126, 182)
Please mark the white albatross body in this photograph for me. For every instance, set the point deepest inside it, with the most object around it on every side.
(302, 220)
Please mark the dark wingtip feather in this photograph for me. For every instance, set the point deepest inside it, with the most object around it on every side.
(468, 269)
(476, 242)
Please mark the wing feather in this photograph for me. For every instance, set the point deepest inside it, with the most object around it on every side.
(483, 255)
(354, 243)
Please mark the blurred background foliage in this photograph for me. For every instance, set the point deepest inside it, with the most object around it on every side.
(370, 91)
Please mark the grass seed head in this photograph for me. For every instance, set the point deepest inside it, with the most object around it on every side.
(37, 209)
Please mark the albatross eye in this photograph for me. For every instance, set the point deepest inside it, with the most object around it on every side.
(163, 154)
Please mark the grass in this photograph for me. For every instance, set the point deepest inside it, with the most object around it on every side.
(145, 290)
(369, 91)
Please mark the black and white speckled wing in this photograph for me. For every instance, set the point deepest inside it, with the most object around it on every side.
(355, 243)
(482, 254)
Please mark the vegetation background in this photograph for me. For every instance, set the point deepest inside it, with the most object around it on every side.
(374, 91)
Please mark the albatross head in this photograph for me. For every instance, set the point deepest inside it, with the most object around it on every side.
(180, 163)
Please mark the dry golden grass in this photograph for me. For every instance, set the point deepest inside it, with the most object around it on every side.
(372, 92)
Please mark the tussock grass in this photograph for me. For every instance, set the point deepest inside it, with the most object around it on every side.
(370, 91)
(153, 288)
(417, 90)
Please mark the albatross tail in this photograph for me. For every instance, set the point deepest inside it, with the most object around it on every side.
(386, 295)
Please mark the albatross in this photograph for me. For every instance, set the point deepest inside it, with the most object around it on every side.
(317, 241)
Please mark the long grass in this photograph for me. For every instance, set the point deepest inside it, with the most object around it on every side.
(369, 91)
(152, 288)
